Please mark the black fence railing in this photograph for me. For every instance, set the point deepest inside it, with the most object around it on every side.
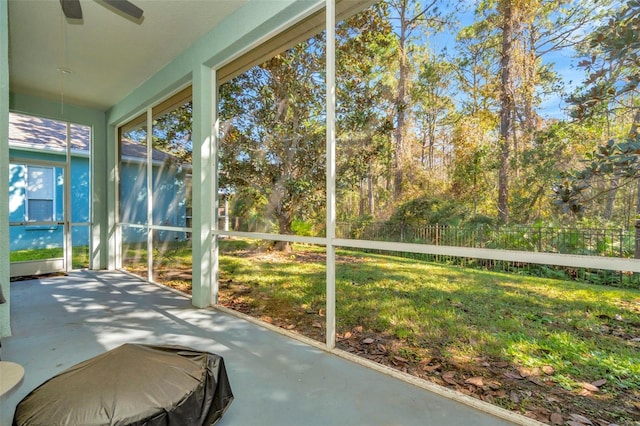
(591, 241)
(584, 241)
(610, 242)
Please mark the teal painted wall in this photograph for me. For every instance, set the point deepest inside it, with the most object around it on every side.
(5, 321)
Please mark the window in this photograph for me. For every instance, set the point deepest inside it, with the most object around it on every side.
(40, 194)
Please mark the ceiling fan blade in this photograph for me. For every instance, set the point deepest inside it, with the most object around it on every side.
(71, 9)
(126, 7)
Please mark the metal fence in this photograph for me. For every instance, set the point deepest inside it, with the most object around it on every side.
(584, 241)
(591, 241)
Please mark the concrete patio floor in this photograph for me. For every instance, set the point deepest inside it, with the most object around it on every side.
(276, 380)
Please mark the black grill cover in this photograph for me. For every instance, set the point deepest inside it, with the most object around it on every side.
(133, 385)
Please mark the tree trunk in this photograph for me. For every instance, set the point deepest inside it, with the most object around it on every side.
(370, 190)
(611, 198)
(636, 251)
(633, 133)
(284, 227)
(506, 112)
(401, 102)
(361, 201)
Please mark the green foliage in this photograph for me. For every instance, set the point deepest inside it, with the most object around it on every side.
(172, 132)
(303, 228)
(427, 210)
(611, 61)
(616, 161)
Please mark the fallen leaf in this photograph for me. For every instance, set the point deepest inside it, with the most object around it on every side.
(513, 375)
(430, 368)
(549, 370)
(400, 359)
(494, 385)
(589, 387)
(599, 383)
(501, 364)
(448, 377)
(500, 394)
(357, 329)
(572, 423)
(425, 361)
(290, 327)
(476, 381)
(514, 397)
(316, 324)
(347, 335)
(368, 341)
(450, 381)
(536, 381)
(381, 348)
(584, 392)
(556, 419)
(580, 419)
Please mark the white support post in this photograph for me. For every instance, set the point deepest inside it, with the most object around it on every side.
(214, 189)
(113, 242)
(331, 172)
(149, 194)
(66, 209)
(204, 269)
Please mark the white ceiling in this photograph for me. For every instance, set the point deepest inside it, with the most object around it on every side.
(108, 54)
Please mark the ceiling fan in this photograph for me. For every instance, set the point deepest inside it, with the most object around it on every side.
(72, 9)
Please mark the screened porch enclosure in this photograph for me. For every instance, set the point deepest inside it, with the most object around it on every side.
(351, 174)
(376, 228)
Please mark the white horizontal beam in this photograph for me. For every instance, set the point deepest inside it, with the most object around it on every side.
(273, 237)
(571, 260)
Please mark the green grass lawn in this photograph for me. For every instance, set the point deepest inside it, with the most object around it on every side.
(576, 333)
(585, 332)
(80, 255)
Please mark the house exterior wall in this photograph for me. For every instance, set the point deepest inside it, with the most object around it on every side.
(33, 237)
(169, 195)
(170, 188)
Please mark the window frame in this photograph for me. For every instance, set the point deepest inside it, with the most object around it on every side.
(29, 198)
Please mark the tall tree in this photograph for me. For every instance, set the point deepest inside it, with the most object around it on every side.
(273, 142)
(509, 22)
(363, 96)
(414, 20)
(613, 76)
(432, 105)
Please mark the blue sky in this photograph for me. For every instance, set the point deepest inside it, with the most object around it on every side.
(564, 62)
